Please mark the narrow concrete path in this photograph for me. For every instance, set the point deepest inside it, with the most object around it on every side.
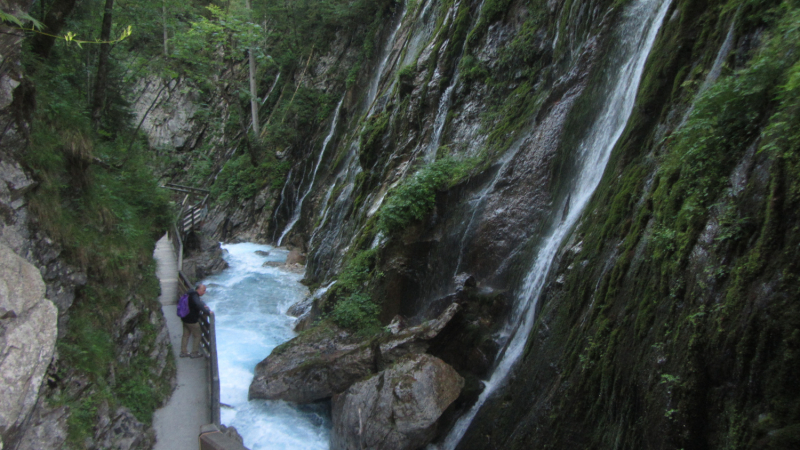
(178, 423)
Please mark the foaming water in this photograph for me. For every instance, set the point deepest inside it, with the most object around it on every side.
(250, 301)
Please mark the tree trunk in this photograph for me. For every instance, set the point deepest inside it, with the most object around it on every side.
(99, 99)
(53, 22)
(164, 22)
(253, 91)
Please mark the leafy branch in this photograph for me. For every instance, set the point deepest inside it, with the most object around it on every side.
(70, 37)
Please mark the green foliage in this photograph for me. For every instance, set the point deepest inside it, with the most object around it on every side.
(357, 312)
(97, 197)
(724, 122)
(82, 420)
(493, 10)
(692, 303)
(88, 348)
(405, 79)
(472, 69)
(211, 43)
(20, 21)
(240, 180)
(354, 308)
(371, 136)
(415, 198)
(137, 391)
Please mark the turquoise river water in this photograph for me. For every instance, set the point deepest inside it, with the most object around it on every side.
(250, 302)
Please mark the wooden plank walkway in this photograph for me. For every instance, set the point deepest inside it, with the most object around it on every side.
(178, 423)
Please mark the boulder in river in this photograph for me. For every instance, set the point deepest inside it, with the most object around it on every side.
(397, 409)
(326, 360)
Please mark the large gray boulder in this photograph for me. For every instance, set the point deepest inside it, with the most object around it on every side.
(326, 360)
(397, 409)
(28, 328)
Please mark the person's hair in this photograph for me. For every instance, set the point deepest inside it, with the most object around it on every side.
(198, 286)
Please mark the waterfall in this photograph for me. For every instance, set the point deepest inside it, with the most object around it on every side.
(327, 237)
(274, 83)
(387, 52)
(324, 213)
(445, 101)
(280, 202)
(299, 209)
(636, 36)
(438, 124)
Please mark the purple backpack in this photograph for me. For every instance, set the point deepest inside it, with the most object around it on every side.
(183, 305)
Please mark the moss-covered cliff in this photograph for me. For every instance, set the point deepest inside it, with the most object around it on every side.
(667, 320)
(671, 318)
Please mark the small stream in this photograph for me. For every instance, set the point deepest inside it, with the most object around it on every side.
(250, 301)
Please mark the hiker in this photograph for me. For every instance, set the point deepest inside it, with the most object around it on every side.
(191, 325)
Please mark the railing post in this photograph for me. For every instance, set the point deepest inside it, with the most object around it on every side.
(214, 371)
(209, 341)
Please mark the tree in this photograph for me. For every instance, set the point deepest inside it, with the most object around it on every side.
(53, 23)
(253, 92)
(101, 82)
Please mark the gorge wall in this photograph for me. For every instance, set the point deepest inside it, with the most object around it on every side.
(666, 319)
(424, 153)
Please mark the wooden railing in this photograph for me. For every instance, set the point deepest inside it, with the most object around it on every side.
(190, 214)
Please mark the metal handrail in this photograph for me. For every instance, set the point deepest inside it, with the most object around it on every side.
(208, 341)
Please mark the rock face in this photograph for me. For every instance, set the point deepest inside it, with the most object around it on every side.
(27, 339)
(327, 360)
(397, 409)
(166, 110)
(203, 258)
(120, 430)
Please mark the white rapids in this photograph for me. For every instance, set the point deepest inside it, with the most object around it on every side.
(250, 303)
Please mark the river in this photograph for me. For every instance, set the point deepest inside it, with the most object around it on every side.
(250, 301)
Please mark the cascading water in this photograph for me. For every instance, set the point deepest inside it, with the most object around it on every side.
(635, 37)
(324, 213)
(329, 235)
(425, 22)
(283, 196)
(299, 208)
(444, 103)
(249, 301)
(387, 52)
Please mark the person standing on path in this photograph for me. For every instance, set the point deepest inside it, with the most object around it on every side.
(191, 325)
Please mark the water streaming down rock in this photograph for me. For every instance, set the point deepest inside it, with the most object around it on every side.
(337, 213)
(299, 208)
(250, 303)
(274, 83)
(479, 200)
(425, 23)
(387, 53)
(636, 36)
(446, 100)
(282, 198)
(324, 214)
